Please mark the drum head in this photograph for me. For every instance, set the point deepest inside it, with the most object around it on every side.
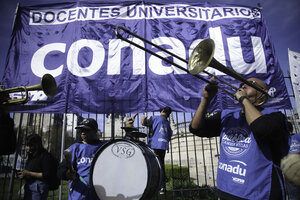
(119, 171)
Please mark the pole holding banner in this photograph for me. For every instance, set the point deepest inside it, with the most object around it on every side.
(294, 60)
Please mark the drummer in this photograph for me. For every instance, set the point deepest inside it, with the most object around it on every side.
(131, 132)
(78, 158)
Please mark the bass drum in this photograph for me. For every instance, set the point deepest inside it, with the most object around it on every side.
(123, 169)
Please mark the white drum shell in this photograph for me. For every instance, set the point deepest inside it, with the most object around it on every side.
(123, 169)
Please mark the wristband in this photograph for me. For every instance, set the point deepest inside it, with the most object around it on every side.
(241, 99)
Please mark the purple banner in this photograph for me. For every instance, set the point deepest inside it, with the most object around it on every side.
(97, 72)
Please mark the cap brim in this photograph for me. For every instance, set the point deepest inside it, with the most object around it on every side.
(129, 128)
(82, 127)
(137, 134)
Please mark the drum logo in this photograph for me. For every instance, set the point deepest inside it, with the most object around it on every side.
(123, 150)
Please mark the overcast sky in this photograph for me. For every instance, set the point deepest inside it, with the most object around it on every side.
(282, 18)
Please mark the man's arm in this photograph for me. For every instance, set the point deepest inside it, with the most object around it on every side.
(199, 115)
(206, 126)
(23, 173)
(250, 110)
(146, 122)
(210, 126)
(65, 169)
(208, 91)
(269, 126)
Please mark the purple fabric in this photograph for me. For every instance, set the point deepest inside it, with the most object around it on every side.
(97, 72)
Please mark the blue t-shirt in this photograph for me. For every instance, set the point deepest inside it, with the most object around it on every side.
(82, 156)
(162, 133)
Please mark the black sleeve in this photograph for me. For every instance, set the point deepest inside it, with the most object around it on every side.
(47, 165)
(269, 126)
(148, 122)
(62, 169)
(8, 141)
(210, 126)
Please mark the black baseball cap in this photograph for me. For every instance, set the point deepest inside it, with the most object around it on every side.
(88, 123)
(167, 110)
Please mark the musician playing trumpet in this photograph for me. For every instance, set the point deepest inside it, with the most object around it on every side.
(253, 139)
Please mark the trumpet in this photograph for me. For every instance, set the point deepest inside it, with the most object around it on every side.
(200, 59)
(48, 85)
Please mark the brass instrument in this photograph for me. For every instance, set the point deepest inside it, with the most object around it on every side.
(48, 85)
(201, 57)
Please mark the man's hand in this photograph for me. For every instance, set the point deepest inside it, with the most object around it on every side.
(211, 89)
(71, 175)
(130, 120)
(240, 93)
(142, 119)
(22, 173)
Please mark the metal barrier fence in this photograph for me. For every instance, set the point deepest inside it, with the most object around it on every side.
(191, 162)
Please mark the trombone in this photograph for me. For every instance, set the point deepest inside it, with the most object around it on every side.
(201, 57)
(48, 85)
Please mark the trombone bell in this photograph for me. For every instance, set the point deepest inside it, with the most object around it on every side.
(201, 56)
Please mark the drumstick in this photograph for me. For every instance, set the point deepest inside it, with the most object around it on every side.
(130, 120)
(147, 129)
(134, 116)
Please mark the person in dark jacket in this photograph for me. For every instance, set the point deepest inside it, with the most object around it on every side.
(9, 144)
(253, 140)
(38, 169)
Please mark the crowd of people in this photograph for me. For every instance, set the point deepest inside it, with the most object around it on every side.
(255, 148)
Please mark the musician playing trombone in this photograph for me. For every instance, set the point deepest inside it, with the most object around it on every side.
(253, 140)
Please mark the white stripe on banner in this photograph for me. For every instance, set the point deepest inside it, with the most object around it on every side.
(134, 12)
(294, 59)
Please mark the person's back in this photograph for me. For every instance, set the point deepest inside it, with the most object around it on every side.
(160, 137)
(162, 133)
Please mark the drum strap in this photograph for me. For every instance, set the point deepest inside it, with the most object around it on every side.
(82, 180)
